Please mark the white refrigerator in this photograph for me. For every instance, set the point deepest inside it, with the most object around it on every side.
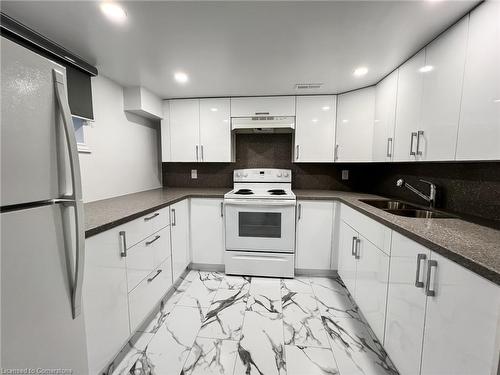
(42, 229)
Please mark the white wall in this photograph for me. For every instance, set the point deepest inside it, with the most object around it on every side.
(124, 148)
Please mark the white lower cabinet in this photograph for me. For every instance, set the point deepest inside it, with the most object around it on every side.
(461, 321)
(105, 299)
(179, 224)
(314, 235)
(207, 231)
(405, 304)
(347, 261)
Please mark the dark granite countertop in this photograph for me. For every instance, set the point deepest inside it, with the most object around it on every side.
(473, 246)
(109, 213)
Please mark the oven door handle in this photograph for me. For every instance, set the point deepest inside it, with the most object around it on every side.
(259, 203)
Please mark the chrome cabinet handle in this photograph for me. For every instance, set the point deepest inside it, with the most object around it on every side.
(420, 258)
(76, 193)
(428, 291)
(174, 217)
(196, 152)
(221, 209)
(123, 244)
(389, 147)
(155, 276)
(153, 240)
(261, 113)
(299, 209)
(336, 152)
(353, 246)
(412, 136)
(152, 216)
(420, 133)
(357, 251)
(297, 152)
(201, 149)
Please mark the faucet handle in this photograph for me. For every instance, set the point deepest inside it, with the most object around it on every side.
(427, 182)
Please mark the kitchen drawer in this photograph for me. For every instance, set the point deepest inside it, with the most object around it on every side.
(146, 256)
(263, 105)
(138, 229)
(374, 232)
(148, 293)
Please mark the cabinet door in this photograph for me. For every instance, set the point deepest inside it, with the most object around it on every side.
(179, 224)
(166, 155)
(185, 130)
(372, 272)
(408, 107)
(385, 117)
(263, 105)
(105, 297)
(479, 129)
(314, 235)
(461, 323)
(347, 261)
(355, 116)
(215, 130)
(442, 92)
(207, 234)
(315, 128)
(405, 305)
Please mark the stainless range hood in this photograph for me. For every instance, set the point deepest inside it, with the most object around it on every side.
(263, 124)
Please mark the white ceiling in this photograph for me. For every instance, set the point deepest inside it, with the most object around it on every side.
(242, 48)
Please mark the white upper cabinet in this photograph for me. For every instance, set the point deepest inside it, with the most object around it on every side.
(215, 130)
(315, 128)
(385, 117)
(184, 130)
(196, 130)
(355, 114)
(479, 129)
(442, 91)
(408, 108)
(263, 106)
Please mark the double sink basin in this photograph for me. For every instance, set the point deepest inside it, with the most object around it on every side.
(405, 209)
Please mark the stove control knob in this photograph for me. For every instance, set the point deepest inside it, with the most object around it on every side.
(245, 175)
(285, 174)
(238, 174)
(279, 173)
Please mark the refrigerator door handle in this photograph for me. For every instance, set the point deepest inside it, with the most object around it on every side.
(76, 195)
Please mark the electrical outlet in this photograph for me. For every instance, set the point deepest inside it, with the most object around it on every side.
(345, 174)
(194, 174)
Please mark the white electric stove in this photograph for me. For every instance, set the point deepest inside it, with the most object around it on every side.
(260, 223)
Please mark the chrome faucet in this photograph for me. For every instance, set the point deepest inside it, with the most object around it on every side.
(431, 198)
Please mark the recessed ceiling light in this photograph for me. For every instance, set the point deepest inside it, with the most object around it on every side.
(114, 12)
(214, 109)
(426, 69)
(314, 120)
(360, 71)
(181, 77)
(326, 108)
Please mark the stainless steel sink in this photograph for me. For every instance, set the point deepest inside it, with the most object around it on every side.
(385, 204)
(420, 213)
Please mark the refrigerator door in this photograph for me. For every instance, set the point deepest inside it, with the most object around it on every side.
(37, 324)
(34, 157)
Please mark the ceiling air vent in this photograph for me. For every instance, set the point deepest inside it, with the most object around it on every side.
(308, 86)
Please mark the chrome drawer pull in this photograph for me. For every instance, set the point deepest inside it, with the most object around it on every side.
(356, 254)
(353, 246)
(152, 216)
(153, 240)
(428, 291)
(154, 277)
(420, 258)
(123, 244)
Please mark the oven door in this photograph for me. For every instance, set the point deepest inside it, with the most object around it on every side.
(260, 225)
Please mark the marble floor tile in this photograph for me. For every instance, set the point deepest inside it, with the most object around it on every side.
(335, 303)
(211, 357)
(132, 352)
(356, 349)
(264, 295)
(201, 290)
(298, 284)
(261, 348)
(301, 360)
(235, 282)
(224, 319)
(302, 323)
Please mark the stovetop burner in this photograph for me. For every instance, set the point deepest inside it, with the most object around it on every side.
(277, 192)
(244, 192)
